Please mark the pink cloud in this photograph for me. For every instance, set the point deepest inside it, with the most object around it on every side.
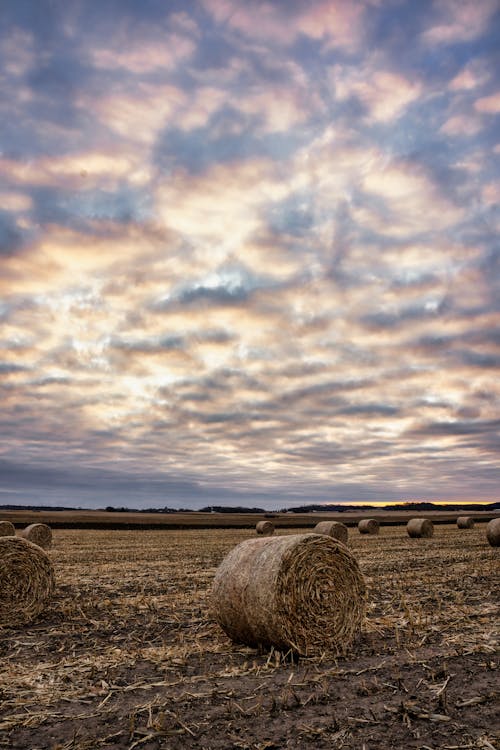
(336, 23)
(386, 94)
(141, 58)
(470, 77)
(491, 193)
(138, 114)
(465, 125)
(459, 20)
(488, 104)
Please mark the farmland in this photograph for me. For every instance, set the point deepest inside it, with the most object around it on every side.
(127, 656)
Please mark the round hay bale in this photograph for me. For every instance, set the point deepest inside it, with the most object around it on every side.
(420, 528)
(368, 526)
(7, 528)
(38, 533)
(303, 592)
(493, 532)
(26, 580)
(465, 522)
(334, 529)
(266, 528)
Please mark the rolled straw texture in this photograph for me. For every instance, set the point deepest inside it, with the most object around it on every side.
(303, 592)
(266, 528)
(38, 533)
(465, 522)
(493, 532)
(332, 528)
(7, 528)
(419, 528)
(26, 580)
(368, 526)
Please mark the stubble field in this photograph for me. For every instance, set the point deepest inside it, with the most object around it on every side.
(128, 657)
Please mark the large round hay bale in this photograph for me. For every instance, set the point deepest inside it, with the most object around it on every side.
(493, 532)
(7, 528)
(303, 592)
(266, 528)
(465, 522)
(419, 528)
(334, 529)
(38, 533)
(368, 526)
(26, 580)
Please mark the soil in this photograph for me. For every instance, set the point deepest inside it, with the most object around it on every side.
(112, 666)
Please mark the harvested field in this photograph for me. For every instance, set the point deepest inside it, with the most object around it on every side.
(126, 657)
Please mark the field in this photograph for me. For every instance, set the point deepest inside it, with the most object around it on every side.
(128, 657)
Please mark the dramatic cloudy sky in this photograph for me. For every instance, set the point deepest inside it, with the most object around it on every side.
(249, 251)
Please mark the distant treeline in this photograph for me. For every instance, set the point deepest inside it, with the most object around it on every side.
(313, 508)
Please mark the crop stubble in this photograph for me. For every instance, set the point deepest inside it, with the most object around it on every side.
(127, 658)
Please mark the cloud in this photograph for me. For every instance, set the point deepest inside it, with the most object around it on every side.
(407, 202)
(138, 113)
(471, 76)
(459, 21)
(464, 125)
(488, 104)
(384, 93)
(338, 24)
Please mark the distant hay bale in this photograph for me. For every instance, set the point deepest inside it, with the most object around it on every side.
(465, 522)
(7, 528)
(266, 528)
(368, 526)
(38, 533)
(26, 580)
(420, 528)
(303, 592)
(334, 529)
(493, 532)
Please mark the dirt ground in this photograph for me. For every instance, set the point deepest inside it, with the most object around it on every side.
(128, 657)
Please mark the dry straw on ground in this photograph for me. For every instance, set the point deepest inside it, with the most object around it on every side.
(418, 528)
(26, 580)
(493, 532)
(7, 528)
(266, 528)
(368, 526)
(303, 592)
(334, 529)
(465, 522)
(38, 533)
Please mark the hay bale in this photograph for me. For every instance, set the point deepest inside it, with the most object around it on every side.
(332, 528)
(419, 528)
(303, 592)
(266, 528)
(465, 522)
(38, 533)
(368, 526)
(26, 580)
(7, 528)
(493, 532)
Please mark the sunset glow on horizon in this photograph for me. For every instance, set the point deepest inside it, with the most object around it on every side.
(249, 252)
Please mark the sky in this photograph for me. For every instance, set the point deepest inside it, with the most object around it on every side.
(249, 252)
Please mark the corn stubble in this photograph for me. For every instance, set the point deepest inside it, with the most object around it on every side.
(127, 656)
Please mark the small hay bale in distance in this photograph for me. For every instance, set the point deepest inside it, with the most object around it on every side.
(493, 532)
(465, 522)
(26, 580)
(335, 529)
(7, 528)
(303, 592)
(266, 528)
(38, 533)
(368, 526)
(420, 528)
